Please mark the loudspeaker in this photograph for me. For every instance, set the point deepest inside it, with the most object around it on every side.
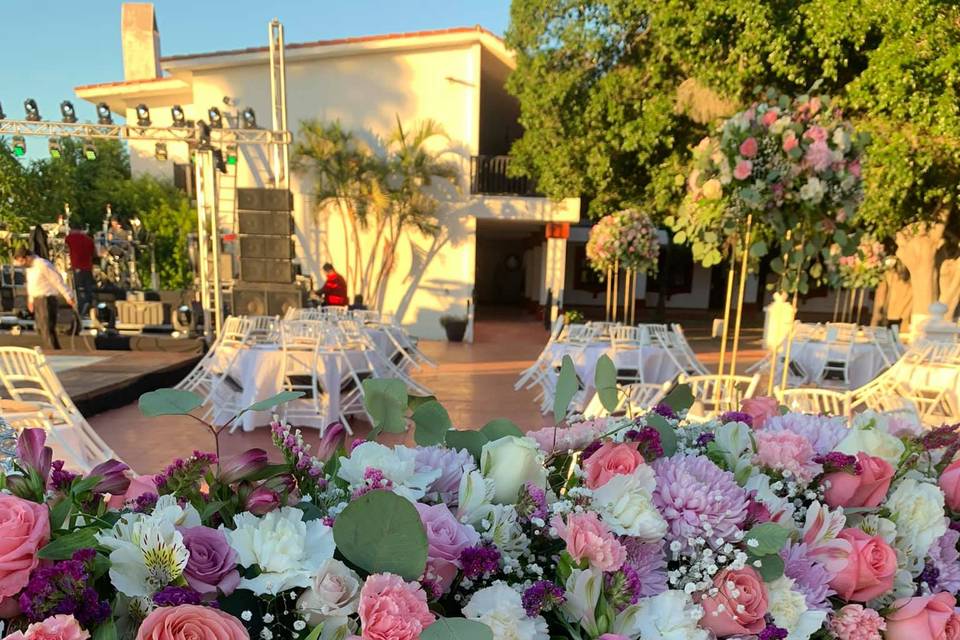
(276, 247)
(266, 300)
(265, 223)
(265, 199)
(266, 270)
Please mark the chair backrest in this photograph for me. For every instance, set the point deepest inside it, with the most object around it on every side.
(816, 401)
(581, 334)
(716, 394)
(263, 330)
(235, 330)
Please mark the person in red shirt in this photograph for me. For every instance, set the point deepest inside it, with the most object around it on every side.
(334, 292)
(82, 252)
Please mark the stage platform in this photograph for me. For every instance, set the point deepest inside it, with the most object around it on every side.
(87, 343)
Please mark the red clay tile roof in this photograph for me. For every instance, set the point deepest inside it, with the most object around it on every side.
(337, 41)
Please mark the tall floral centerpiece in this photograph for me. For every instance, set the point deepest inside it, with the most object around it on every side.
(861, 270)
(785, 172)
(624, 240)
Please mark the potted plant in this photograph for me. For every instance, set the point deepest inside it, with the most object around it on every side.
(455, 326)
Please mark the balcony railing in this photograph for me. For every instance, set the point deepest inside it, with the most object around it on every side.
(488, 176)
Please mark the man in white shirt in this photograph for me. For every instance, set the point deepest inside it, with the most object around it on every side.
(43, 285)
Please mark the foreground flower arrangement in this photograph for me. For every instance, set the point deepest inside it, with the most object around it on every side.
(761, 524)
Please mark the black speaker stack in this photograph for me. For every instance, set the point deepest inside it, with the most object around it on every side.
(265, 252)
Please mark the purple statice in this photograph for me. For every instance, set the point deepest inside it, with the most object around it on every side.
(648, 442)
(945, 558)
(836, 461)
(929, 578)
(307, 468)
(772, 632)
(144, 503)
(590, 449)
(736, 416)
(373, 479)
(172, 596)
(184, 476)
(622, 588)
(328, 521)
(940, 438)
(452, 464)
(698, 499)
(542, 596)
(706, 438)
(65, 587)
(823, 432)
(810, 577)
(649, 563)
(532, 502)
(61, 479)
(665, 410)
(479, 561)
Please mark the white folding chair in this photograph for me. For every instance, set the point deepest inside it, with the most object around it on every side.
(262, 330)
(886, 343)
(544, 360)
(715, 394)
(28, 378)
(816, 401)
(300, 370)
(840, 342)
(627, 354)
(674, 343)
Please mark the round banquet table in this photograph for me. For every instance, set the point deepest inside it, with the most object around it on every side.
(866, 362)
(657, 365)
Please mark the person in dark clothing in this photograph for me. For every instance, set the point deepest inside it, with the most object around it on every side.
(43, 286)
(82, 252)
(334, 292)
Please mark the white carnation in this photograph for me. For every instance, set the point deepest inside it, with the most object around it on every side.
(671, 615)
(398, 464)
(917, 509)
(625, 504)
(501, 608)
(288, 550)
(789, 610)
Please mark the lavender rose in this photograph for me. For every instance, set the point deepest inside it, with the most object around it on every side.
(212, 565)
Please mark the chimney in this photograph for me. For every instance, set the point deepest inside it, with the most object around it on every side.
(141, 41)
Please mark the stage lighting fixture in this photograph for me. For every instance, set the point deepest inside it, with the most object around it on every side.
(56, 150)
(216, 120)
(68, 112)
(249, 118)
(177, 115)
(160, 151)
(30, 106)
(2, 114)
(204, 135)
(19, 146)
(89, 150)
(103, 114)
(218, 161)
(143, 115)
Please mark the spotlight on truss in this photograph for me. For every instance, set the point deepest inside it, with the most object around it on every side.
(219, 161)
(249, 118)
(103, 113)
(177, 115)
(33, 112)
(56, 150)
(216, 120)
(143, 115)
(19, 146)
(89, 150)
(204, 136)
(160, 151)
(67, 111)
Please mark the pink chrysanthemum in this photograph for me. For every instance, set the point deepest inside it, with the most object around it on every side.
(698, 499)
(854, 622)
(823, 432)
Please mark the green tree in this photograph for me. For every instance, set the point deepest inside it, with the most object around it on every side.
(614, 92)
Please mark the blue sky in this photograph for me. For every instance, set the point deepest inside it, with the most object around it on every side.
(50, 46)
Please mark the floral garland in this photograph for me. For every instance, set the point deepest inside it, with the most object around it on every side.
(864, 268)
(795, 165)
(760, 524)
(627, 238)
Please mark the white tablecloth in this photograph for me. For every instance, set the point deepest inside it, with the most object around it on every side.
(657, 365)
(866, 362)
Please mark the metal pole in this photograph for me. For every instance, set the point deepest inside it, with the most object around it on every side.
(743, 287)
(215, 243)
(202, 242)
(616, 289)
(271, 34)
(633, 308)
(609, 299)
(284, 150)
(726, 312)
(836, 304)
(860, 305)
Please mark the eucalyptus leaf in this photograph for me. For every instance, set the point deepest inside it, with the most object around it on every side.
(66, 545)
(414, 401)
(385, 399)
(169, 402)
(381, 532)
(605, 382)
(432, 423)
(457, 629)
(766, 538)
(680, 398)
(759, 249)
(770, 567)
(272, 401)
(566, 388)
(668, 438)
(472, 441)
(500, 428)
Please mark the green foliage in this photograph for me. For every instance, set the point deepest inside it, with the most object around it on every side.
(168, 402)
(668, 437)
(381, 532)
(500, 428)
(472, 441)
(432, 422)
(386, 402)
(272, 401)
(567, 386)
(680, 398)
(766, 538)
(457, 629)
(605, 382)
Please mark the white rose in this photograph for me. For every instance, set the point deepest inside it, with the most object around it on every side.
(501, 608)
(789, 610)
(333, 596)
(511, 462)
(917, 509)
(398, 464)
(626, 505)
(671, 615)
(872, 441)
(813, 190)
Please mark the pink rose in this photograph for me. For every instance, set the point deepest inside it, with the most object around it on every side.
(819, 156)
(870, 567)
(139, 486)
(950, 485)
(587, 537)
(760, 409)
(748, 148)
(865, 490)
(447, 537)
(854, 168)
(743, 169)
(611, 460)
(815, 133)
(790, 141)
(191, 622)
(924, 618)
(24, 529)
(770, 117)
(59, 627)
(738, 606)
(391, 609)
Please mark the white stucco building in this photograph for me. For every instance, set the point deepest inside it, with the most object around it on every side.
(454, 76)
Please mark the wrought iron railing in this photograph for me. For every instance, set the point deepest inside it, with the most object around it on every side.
(488, 176)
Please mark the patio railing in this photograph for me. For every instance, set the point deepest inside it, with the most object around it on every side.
(488, 176)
